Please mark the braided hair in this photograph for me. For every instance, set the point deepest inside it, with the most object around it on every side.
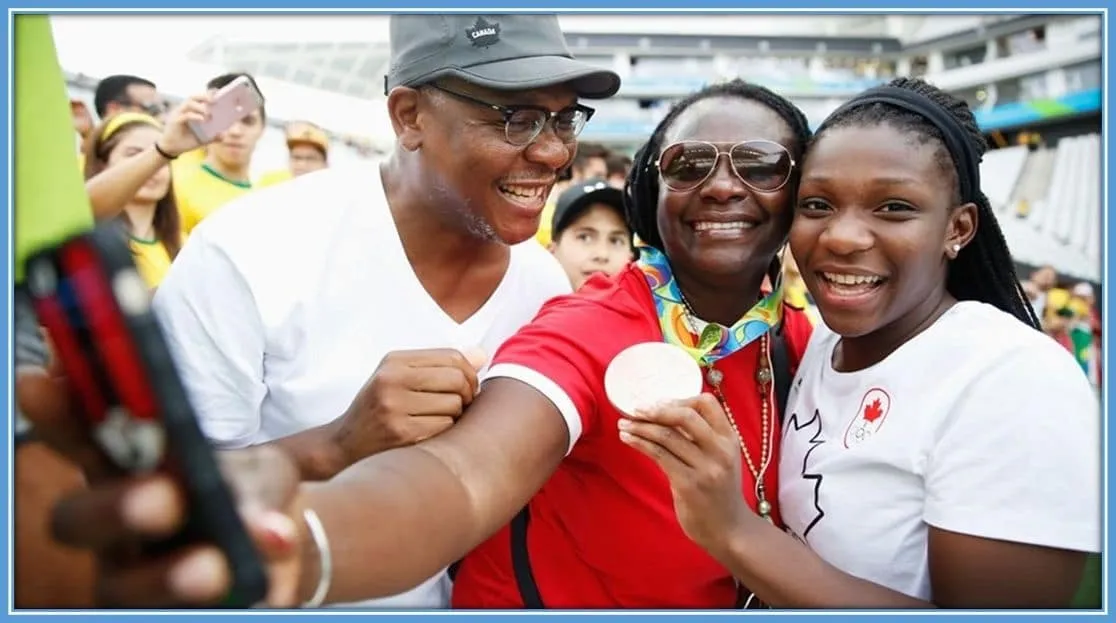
(983, 270)
(641, 190)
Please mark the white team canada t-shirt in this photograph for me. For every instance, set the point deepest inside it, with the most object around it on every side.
(979, 425)
(282, 304)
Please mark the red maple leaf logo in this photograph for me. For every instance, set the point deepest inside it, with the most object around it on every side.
(873, 411)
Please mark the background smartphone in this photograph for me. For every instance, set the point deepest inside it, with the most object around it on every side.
(96, 309)
(235, 101)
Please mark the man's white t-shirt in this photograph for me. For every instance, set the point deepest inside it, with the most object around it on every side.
(979, 425)
(282, 304)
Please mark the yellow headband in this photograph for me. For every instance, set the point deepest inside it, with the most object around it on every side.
(125, 118)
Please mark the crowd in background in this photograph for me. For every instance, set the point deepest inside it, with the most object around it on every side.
(145, 168)
(1070, 315)
(583, 223)
(182, 181)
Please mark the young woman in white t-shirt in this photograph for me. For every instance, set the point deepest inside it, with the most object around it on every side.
(938, 450)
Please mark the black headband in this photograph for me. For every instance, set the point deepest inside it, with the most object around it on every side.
(964, 155)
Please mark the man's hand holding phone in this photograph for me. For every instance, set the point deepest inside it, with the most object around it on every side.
(412, 396)
(121, 414)
(118, 513)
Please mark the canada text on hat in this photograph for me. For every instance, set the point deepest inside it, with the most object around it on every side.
(501, 52)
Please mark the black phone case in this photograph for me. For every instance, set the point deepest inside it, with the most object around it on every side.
(88, 353)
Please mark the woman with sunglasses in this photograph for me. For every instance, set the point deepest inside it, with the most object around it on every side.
(710, 197)
(939, 450)
(592, 521)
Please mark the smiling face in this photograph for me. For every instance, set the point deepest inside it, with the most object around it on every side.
(875, 227)
(723, 227)
(596, 241)
(131, 141)
(495, 189)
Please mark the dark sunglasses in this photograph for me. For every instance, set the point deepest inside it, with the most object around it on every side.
(762, 165)
(524, 123)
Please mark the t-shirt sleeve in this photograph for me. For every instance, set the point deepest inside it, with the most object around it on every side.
(214, 331)
(563, 354)
(187, 213)
(1018, 459)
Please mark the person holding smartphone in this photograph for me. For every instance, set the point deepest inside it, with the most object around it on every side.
(112, 188)
(534, 465)
(127, 146)
(351, 311)
(206, 181)
(993, 492)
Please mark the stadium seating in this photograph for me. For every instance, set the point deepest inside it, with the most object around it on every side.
(1049, 203)
(1000, 171)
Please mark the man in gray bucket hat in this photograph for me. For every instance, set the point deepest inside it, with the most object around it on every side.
(502, 52)
(361, 321)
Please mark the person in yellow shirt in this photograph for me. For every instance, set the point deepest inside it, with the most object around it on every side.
(150, 217)
(128, 178)
(1056, 299)
(273, 177)
(187, 162)
(1075, 298)
(309, 148)
(308, 145)
(223, 173)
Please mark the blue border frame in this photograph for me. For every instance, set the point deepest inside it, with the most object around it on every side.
(567, 6)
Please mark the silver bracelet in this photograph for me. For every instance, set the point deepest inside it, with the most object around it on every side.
(325, 577)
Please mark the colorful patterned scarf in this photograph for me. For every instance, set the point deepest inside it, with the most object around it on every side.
(715, 341)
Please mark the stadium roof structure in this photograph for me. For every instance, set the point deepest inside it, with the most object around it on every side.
(349, 54)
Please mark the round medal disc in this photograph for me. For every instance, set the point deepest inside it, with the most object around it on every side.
(649, 373)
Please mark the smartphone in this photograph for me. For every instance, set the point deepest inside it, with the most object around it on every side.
(235, 101)
(96, 308)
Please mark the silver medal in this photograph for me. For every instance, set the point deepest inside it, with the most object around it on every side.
(650, 373)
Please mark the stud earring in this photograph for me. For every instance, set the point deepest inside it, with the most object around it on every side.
(956, 248)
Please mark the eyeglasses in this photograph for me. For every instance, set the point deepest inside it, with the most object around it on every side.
(762, 165)
(524, 123)
(154, 109)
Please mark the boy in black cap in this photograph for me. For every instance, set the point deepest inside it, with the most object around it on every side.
(590, 234)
